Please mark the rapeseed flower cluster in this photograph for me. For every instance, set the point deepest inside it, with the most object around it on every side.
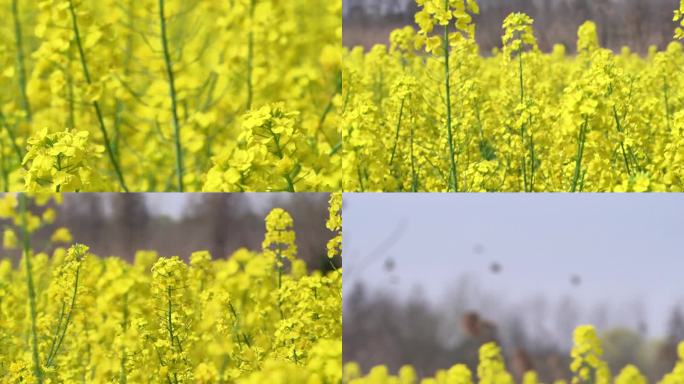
(170, 95)
(334, 224)
(62, 162)
(679, 17)
(516, 120)
(86, 318)
(492, 369)
(586, 367)
(677, 374)
(630, 375)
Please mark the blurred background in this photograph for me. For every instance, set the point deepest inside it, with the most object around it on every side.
(429, 278)
(177, 224)
(634, 23)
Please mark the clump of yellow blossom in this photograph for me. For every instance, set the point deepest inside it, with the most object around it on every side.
(516, 120)
(162, 318)
(62, 162)
(587, 365)
(334, 223)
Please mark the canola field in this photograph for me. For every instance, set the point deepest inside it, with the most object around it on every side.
(170, 95)
(586, 367)
(430, 112)
(69, 316)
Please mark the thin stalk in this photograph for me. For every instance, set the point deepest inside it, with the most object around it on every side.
(172, 92)
(13, 140)
(359, 176)
(280, 154)
(67, 321)
(522, 128)
(58, 328)
(453, 177)
(96, 105)
(667, 105)
(119, 108)
(527, 179)
(250, 56)
(124, 325)
(280, 276)
(396, 135)
(71, 122)
(329, 107)
(532, 163)
(414, 176)
(5, 178)
(524, 158)
(332, 265)
(580, 154)
(20, 59)
(618, 126)
(280, 282)
(236, 324)
(170, 324)
(223, 369)
(37, 369)
(169, 311)
(522, 83)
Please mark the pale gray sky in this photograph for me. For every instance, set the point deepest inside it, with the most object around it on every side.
(626, 248)
(173, 204)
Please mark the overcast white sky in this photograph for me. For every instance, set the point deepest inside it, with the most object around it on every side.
(173, 204)
(626, 248)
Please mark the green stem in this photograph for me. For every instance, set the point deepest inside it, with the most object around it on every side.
(522, 128)
(527, 179)
(169, 311)
(524, 157)
(396, 134)
(57, 330)
(5, 178)
(281, 154)
(120, 106)
(222, 371)
(124, 325)
(236, 324)
(580, 154)
(250, 56)
(37, 369)
(71, 121)
(280, 276)
(618, 126)
(96, 105)
(172, 92)
(414, 175)
(13, 140)
(329, 107)
(20, 59)
(169, 320)
(522, 84)
(67, 321)
(453, 176)
(667, 105)
(532, 163)
(280, 282)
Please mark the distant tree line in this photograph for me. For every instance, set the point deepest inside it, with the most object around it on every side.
(634, 23)
(121, 224)
(535, 334)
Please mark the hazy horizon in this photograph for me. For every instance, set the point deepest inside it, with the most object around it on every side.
(625, 249)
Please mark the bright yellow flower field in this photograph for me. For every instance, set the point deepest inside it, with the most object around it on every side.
(430, 113)
(257, 317)
(170, 95)
(587, 368)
